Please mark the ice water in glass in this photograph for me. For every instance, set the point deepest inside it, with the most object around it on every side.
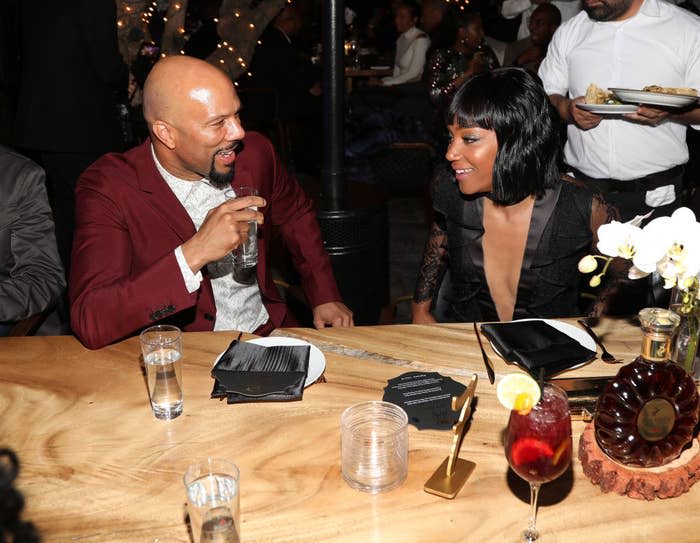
(213, 501)
(164, 374)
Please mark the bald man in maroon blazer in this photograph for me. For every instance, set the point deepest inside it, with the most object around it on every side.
(153, 229)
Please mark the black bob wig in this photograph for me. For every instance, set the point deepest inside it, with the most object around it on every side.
(513, 103)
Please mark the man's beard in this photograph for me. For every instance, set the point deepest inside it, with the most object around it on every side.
(223, 180)
(608, 11)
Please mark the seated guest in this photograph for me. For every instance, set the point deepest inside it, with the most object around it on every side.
(31, 275)
(432, 18)
(448, 68)
(510, 227)
(411, 46)
(510, 9)
(528, 52)
(154, 233)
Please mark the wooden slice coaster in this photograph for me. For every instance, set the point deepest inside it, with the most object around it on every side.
(667, 481)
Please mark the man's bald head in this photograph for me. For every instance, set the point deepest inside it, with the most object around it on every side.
(191, 109)
(176, 82)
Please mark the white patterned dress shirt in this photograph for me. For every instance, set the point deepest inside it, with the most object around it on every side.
(238, 307)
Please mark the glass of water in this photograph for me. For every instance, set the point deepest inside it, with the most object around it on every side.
(213, 500)
(161, 346)
(245, 256)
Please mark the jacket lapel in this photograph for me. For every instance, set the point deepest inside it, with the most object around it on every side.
(158, 195)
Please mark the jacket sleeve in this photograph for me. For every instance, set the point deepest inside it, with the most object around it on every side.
(112, 293)
(293, 211)
(36, 277)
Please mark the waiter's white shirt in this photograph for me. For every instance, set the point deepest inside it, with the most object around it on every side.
(660, 45)
(238, 307)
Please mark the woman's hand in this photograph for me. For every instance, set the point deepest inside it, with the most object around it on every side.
(420, 312)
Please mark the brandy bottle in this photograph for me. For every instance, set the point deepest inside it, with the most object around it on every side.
(647, 413)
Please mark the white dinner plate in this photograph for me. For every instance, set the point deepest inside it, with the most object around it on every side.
(317, 362)
(573, 332)
(608, 109)
(654, 98)
(379, 67)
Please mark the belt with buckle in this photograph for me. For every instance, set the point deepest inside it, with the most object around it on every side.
(643, 184)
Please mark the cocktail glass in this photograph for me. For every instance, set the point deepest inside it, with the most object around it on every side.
(538, 445)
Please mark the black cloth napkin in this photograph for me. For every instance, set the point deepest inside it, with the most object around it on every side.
(252, 373)
(535, 345)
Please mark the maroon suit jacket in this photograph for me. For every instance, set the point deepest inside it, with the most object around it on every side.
(124, 274)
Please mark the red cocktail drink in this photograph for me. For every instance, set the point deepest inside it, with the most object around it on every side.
(538, 445)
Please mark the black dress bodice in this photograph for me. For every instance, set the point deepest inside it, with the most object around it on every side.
(559, 236)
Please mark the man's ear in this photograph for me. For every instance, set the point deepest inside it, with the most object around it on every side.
(165, 133)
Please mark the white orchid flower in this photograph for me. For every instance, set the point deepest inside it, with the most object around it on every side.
(618, 239)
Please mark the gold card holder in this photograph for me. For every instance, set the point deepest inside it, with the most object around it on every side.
(450, 477)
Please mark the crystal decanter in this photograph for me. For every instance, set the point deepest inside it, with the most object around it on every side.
(647, 413)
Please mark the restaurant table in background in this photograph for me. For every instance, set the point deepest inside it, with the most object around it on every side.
(97, 466)
(363, 73)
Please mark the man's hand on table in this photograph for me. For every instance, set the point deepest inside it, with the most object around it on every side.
(332, 314)
(225, 228)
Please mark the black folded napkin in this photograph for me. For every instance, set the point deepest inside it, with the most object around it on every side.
(252, 373)
(536, 346)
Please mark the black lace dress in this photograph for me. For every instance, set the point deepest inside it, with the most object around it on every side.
(560, 234)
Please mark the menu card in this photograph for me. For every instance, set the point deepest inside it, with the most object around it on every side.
(426, 397)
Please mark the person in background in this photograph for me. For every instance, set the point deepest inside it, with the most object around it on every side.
(432, 17)
(411, 46)
(508, 226)
(528, 52)
(511, 9)
(281, 66)
(635, 160)
(72, 78)
(154, 232)
(31, 275)
(448, 68)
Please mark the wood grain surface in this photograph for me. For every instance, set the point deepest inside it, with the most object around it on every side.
(97, 467)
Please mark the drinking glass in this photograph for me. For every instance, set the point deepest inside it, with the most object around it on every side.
(245, 256)
(161, 347)
(213, 500)
(538, 445)
(374, 446)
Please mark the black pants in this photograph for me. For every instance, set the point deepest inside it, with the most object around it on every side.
(631, 203)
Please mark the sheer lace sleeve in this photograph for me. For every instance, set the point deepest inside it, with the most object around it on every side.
(433, 263)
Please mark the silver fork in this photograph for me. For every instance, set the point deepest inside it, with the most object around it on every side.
(605, 355)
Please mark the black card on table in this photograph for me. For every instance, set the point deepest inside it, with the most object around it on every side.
(426, 397)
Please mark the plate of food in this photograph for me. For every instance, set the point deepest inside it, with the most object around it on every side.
(604, 102)
(656, 95)
(608, 109)
(317, 362)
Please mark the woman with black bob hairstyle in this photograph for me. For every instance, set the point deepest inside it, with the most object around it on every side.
(507, 225)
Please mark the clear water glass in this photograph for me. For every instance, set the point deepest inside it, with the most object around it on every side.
(161, 347)
(213, 500)
(374, 446)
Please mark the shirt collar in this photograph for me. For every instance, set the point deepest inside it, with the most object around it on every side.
(182, 188)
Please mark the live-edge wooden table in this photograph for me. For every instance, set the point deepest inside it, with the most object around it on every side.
(97, 467)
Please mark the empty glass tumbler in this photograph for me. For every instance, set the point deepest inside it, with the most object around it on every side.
(374, 446)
